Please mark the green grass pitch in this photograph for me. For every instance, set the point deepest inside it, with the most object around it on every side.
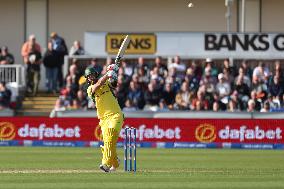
(77, 168)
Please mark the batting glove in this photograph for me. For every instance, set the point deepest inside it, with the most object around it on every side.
(112, 75)
(113, 67)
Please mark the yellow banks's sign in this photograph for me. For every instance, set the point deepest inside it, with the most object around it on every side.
(139, 43)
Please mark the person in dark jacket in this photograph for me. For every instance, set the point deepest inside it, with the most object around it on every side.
(51, 62)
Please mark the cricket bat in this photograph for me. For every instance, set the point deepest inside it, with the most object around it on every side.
(122, 49)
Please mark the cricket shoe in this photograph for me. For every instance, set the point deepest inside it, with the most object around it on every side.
(104, 168)
(113, 169)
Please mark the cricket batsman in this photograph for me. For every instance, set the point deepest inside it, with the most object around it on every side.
(108, 111)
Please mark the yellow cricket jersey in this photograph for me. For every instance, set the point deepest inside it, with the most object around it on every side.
(106, 102)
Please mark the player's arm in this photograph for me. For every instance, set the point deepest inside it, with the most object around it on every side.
(110, 75)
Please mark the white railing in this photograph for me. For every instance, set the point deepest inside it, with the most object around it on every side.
(13, 73)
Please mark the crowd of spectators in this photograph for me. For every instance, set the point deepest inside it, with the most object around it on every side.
(166, 85)
(154, 85)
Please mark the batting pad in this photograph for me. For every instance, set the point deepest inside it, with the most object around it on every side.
(110, 137)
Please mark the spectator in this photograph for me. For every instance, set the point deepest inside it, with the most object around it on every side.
(163, 106)
(192, 80)
(33, 68)
(260, 87)
(143, 78)
(183, 97)
(209, 64)
(51, 62)
(152, 98)
(141, 65)
(247, 70)
(59, 105)
(127, 68)
(276, 89)
(266, 107)
(251, 106)
(82, 100)
(230, 67)
(245, 78)
(260, 73)
(59, 46)
(135, 95)
(5, 96)
(243, 91)
(129, 106)
(179, 67)
(72, 80)
(121, 91)
(223, 89)
(216, 107)
(76, 49)
(257, 103)
(162, 69)
(5, 56)
(26, 48)
(199, 102)
(169, 95)
(208, 80)
(94, 64)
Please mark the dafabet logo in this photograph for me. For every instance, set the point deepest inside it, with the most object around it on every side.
(205, 133)
(7, 131)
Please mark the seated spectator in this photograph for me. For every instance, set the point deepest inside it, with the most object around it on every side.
(260, 87)
(121, 91)
(76, 49)
(247, 70)
(266, 107)
(162, 69)
(169, 95)
(243, 91)
(216, 107)
(59, 105)
(163, 106)
(244, 77)
(257, 103)
(72, 80)
(197, 69)
(209, 64)
(227, 64)
(74, 105)
(178, 66)
(261, 73)
(129, 106)
(228, 77)
(5, 56)
(199, 102)
(183, 97)
(208, 80)
(251, 106)
(192, 80)
(82, 100)
(141, 65)
(152, 98)
(65, 97)
(276, 89)
(223, 89)
(135, 94)
(94, 64)
(127, 68)
(5, 96)
(142, 77)
(235, 103)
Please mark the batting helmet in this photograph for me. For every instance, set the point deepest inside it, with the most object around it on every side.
(90, 71)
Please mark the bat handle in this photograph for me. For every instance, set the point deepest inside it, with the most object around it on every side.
(117, 60)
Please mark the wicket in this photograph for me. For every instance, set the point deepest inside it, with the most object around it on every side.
(129, 149)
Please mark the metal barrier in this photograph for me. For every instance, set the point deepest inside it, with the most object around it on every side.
(13, 73)
(176, 114)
